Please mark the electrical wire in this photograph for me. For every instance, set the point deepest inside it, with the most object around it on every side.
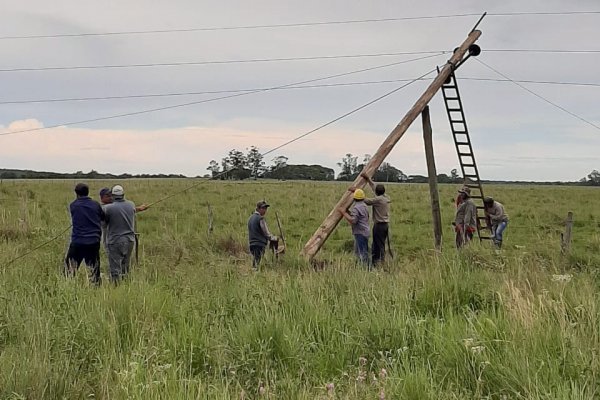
(152, 110)
(538, 95)
(341, 84)
(215, 62)
(276, 59)
(292, 25)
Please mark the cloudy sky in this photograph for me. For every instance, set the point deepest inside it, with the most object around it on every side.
(516, 135)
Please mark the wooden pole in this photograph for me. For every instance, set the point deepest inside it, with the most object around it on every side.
(210, 220)
(319, 238)
(433, 187)
(566, 238)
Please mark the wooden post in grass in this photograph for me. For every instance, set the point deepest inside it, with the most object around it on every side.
(565, 245)
(319, 238)
(433, 188)
(210, 220)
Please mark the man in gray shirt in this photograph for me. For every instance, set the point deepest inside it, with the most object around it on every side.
(258, 233)
(120, 233)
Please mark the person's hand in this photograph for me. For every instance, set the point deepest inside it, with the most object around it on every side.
(274, 238)
(364, 175)
(352, 189)
(342, 211)
(143, 207)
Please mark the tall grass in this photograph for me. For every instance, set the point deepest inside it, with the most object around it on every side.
(193, 321)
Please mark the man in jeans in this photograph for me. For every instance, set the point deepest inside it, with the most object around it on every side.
(258, 233)
(496, 219)
(120, 233)
(359, 219)
(86, 219)
(381, 219)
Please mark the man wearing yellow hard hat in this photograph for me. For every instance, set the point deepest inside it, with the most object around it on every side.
(359, 219)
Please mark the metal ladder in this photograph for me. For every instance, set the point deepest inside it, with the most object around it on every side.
(464, 150)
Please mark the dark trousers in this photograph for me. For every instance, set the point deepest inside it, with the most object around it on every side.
(257, 253)
(380, 234)
(90, 253)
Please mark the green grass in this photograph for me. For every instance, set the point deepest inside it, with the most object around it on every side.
(194, 322)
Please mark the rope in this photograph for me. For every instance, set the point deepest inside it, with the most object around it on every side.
(38, 247)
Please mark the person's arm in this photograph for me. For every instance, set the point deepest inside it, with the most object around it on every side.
(369, 181)
(265, 229)
(141, 208)
(347, 216)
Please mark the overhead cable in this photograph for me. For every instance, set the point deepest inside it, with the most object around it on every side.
(538, 95)
(289, 25)
(152, 110)
(216, 62)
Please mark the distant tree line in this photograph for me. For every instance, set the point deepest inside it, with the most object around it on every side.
(28, 174)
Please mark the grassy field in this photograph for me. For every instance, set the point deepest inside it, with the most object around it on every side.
(194, 322)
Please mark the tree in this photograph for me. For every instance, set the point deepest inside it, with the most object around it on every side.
(349, 167)
(255, 163)
(214, 168)
(279, 162)
(454, 176)
(594, 178)
(388, 173)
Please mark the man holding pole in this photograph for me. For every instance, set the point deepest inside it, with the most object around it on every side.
(381, 219)
(258, 233)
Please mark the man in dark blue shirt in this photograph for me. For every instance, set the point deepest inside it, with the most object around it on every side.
(86, 217)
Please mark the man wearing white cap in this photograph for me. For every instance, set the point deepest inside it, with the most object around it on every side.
(120, 233)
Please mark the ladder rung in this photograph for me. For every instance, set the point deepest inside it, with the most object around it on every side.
(469, 165)
(460, 132)
(465, 154)
(449, 86)
(457, 121)
(462, 143)
(454, 109)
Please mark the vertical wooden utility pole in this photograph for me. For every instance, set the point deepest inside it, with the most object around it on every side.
(319, 238)
(433, 187)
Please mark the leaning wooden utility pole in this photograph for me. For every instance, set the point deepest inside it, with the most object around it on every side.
(319, 238)
(432, 173)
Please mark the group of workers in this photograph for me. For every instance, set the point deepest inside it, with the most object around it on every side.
(465, 223)
(110, 223)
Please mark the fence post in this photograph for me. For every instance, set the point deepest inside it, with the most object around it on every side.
(565, 245)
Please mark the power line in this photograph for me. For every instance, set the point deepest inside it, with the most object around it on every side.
(529, 81)
(217, 62)
(291, 25)
(277, 59)
(539, 96)
(152, 110)
(325, 85)
(551, 51)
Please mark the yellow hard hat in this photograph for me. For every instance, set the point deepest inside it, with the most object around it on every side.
(359, 194)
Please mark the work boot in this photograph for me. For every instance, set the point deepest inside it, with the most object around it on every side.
(498, 244)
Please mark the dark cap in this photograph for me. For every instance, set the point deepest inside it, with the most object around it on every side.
(262, 204)
(104, 191)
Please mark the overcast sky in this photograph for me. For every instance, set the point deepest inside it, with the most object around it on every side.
(516, 135)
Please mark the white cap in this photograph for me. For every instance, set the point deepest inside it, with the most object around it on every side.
(117, 190)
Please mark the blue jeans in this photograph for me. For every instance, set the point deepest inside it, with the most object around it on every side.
(361, 248)
(498, 230)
